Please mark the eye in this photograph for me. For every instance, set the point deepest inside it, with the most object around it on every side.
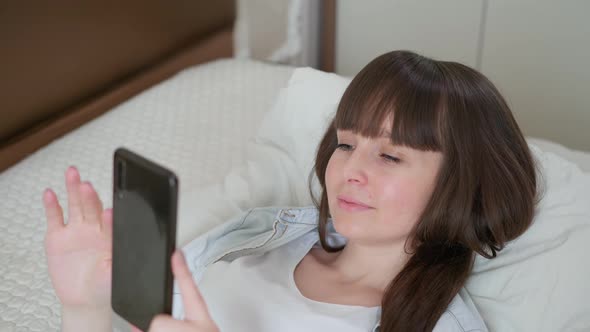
(344, 147)
(389, 158)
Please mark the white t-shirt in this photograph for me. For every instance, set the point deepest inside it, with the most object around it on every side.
(258, 293)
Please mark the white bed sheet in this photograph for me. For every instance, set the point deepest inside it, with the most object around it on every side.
(196, 123)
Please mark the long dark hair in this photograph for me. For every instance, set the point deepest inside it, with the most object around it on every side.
(486, 188)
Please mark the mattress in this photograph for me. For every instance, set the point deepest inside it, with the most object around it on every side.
(195, 123)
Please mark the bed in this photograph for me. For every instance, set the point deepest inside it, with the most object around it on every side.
(215, 125)
(196, 122)
(204, 123)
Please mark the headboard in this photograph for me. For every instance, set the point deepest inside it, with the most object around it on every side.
(65, 65)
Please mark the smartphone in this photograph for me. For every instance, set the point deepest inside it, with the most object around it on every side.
(145, 197)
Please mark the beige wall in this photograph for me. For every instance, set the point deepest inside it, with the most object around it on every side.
(446, 29)
(535, 51)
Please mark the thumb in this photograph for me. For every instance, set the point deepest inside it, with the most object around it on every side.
(194, 305)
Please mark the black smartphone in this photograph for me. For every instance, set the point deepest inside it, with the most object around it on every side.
(145, 197)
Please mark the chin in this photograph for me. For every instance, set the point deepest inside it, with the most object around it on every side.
(351, 225)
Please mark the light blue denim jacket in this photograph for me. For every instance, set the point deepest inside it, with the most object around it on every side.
(260, 230)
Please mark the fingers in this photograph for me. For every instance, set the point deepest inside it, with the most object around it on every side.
(75, 212)
(134, 329)
(195, 308)
(91, 204)
(53, 211)
(196, 316)
(84, 205)
(107, 223)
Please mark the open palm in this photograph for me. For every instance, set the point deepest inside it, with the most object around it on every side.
(79, 254)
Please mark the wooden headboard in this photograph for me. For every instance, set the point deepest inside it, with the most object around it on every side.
(63, 65)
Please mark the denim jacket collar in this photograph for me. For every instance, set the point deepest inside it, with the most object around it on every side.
(256, 232)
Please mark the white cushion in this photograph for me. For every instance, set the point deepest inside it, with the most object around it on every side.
(539, 282)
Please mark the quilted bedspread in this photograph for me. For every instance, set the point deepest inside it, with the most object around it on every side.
(195, 123)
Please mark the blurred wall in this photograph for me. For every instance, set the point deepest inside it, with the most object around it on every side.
(535, 51)
(281, 31)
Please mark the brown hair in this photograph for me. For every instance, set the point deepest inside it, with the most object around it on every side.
(485, 190)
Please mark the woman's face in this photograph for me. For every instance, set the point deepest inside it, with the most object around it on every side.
(376, 190)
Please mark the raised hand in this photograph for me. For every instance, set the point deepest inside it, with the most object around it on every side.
(79, 254)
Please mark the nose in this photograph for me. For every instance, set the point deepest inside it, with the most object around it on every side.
(355, 168)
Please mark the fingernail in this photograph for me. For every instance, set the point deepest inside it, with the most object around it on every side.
(47, 194)
(71, 172)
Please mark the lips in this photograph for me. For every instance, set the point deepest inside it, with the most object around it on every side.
(351, 204)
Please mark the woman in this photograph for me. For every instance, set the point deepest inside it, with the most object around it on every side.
(422, 167)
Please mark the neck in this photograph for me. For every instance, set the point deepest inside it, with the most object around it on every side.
(369, 265)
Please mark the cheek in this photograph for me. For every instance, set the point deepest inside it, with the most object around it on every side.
(404, 198)
(400, 207)
(330, 175)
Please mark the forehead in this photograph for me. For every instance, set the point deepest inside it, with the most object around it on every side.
(385, 131)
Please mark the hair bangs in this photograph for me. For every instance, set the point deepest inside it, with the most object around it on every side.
(407, 107)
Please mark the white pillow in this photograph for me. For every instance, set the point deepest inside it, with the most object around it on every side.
(279, 158)
(540, 282)
(297, 122)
